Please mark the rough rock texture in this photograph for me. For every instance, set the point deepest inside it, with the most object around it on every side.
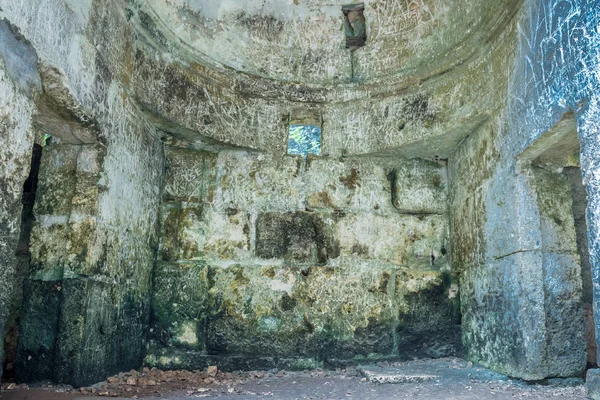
(455, 379)
(23, 260)
(265, 256)
(592, 384)
(390, 104)
(226, 249)
(304, 42)
(580, 200)
(18, 82)
(513, 241)
(94, 241)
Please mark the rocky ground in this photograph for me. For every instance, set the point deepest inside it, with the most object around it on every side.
(446, 379)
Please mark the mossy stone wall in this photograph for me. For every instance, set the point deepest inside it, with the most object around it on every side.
(317, 261)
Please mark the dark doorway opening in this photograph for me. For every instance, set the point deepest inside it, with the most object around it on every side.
(22, 268)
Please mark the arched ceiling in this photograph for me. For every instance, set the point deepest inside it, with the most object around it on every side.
(232, 72)
(302, 41)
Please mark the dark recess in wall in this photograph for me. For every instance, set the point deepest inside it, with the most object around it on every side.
(354, 25)
(22, 270)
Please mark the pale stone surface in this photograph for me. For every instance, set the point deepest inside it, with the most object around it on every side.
(500, 227)
(304, 259)
(166, 192)
(17, 77)
(442, 370)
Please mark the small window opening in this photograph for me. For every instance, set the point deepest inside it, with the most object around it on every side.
(304, 140)
(22, 271)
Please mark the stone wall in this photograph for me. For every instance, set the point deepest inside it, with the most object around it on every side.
(266, 261)
(86, 303)
(344, 258)
(397, 106)
(19, 84)
(504, 228)
(208, 108)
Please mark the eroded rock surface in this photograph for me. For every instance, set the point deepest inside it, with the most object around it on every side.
(169, 227)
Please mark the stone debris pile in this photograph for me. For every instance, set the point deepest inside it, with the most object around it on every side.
(13, 386)
(153, 380)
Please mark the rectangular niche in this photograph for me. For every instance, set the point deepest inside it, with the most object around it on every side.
(354, 25)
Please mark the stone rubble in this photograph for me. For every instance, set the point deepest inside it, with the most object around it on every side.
(204, 383)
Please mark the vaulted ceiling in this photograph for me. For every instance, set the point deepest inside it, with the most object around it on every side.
(434, 67)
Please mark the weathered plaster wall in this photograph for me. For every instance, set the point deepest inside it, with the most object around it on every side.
(502, 237)
(263, 257)
(94, 243)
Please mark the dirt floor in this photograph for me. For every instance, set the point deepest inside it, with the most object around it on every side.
(445, 379)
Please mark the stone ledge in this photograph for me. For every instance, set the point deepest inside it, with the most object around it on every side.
(443, 371)
(394, 377)
(170, 359)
